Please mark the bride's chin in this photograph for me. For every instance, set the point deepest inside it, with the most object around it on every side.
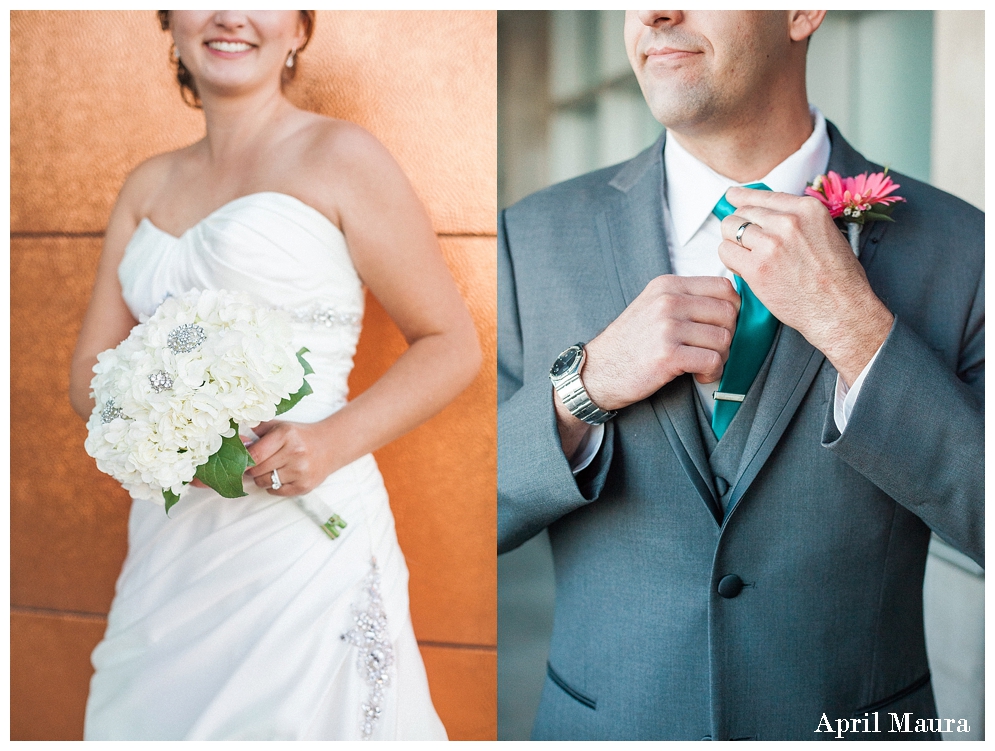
(231, 86)
(233, 74)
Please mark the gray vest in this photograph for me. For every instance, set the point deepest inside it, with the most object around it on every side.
(724, 456)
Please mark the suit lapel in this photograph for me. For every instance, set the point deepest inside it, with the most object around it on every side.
(845, 161)
(793, 367)
(637, 252)
(795, 362)
(634, 220)
(675, 410)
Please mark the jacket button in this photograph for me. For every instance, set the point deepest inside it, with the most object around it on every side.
(721, 485)
(730, 585)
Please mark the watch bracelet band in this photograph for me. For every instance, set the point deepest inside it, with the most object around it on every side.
(578, 402)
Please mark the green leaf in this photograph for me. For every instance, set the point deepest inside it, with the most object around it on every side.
(291, 400)
(303, 391)
(171, 499)
(871, 216)
(300, 358)
(223, 471)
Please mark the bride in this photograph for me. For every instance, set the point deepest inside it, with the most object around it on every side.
(239, 618)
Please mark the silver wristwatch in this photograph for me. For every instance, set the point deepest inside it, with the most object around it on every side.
(565, 375)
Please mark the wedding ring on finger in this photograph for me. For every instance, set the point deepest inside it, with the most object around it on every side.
(275, 477)
(740, 231)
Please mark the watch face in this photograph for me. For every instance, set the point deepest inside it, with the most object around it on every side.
(564, 362)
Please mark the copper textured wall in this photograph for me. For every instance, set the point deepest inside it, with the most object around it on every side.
(92, 95)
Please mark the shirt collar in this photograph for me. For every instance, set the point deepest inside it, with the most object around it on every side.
(693, 188)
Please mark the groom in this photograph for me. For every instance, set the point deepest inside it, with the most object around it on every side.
(739, 487)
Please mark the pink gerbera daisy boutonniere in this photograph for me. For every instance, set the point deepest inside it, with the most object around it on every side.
(856, 200)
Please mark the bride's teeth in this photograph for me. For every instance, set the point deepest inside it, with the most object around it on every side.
(229, 46)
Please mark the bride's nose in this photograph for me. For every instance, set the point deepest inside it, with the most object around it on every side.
(230, 19)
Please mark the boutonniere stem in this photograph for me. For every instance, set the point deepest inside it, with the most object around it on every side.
(853, 235)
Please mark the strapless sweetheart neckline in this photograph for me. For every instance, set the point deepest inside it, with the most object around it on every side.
(232, 202)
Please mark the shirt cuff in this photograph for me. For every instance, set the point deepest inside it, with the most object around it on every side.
(847, 397)
(588, 449)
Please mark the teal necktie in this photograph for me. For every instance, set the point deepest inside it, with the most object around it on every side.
(754, 334)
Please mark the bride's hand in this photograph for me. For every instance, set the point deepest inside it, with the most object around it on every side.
(294, 451)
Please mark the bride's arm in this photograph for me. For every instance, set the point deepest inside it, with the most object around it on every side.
(107, 320)
(395, 251)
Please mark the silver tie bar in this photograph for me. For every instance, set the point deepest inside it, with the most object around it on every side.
(727, 397)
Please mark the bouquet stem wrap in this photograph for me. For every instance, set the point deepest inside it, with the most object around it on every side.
(314, 506)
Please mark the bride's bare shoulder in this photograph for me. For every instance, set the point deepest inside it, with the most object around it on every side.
(341, 147)
(341, 168)
(146, 182)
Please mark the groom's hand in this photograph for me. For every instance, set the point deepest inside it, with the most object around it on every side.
(800, 266)
(677, 324)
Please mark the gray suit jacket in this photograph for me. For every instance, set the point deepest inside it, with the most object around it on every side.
(828, 532)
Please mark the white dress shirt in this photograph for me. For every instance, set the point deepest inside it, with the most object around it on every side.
(693, 236)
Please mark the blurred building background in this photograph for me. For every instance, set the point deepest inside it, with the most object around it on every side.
(904, 87)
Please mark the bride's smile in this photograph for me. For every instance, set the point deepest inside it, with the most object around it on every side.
(234, 51)
(226, 48)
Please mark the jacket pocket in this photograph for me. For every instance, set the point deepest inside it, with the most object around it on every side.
(579, 696)
(917, 684)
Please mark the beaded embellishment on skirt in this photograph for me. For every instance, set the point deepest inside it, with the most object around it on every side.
(376, 654)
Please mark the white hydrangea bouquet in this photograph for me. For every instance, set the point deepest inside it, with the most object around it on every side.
(172, 397)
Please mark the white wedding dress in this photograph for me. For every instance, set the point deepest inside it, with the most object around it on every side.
(240, 618)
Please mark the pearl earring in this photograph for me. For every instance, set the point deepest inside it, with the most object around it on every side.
(290, 58)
